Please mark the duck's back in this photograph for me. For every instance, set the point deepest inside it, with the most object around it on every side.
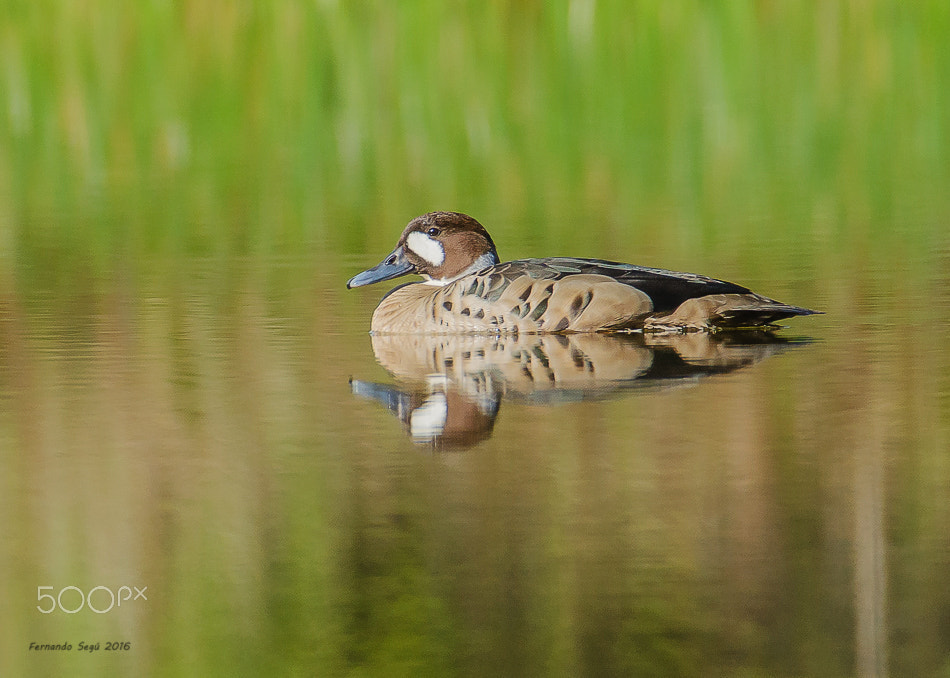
(666, 289)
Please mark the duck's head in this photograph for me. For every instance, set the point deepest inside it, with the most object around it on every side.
(439, 246)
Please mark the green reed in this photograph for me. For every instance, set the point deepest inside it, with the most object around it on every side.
(220, 127)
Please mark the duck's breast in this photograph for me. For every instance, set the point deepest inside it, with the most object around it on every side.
(492, 302)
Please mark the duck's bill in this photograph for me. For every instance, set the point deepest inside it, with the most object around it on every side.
(391, 267)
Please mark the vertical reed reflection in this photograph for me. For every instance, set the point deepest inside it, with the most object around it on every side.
(870, 428)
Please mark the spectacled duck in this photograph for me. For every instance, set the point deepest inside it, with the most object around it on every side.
(467, 289)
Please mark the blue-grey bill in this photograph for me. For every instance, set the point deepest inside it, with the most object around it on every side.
(391, 267)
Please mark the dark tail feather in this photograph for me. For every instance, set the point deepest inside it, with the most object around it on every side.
(756, 315)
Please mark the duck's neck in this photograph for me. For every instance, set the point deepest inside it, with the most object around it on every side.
(481, 263)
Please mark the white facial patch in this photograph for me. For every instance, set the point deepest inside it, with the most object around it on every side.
(427, 421)
(427, 248)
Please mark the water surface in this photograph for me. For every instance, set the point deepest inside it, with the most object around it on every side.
(300, 496)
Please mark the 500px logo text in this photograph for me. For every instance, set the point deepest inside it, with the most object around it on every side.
(99, 599)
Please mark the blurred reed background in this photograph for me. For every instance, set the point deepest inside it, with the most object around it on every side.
(180, 128)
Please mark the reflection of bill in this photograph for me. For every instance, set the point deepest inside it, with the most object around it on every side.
(451, 386)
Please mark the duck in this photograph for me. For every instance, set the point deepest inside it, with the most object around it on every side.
(467, 289)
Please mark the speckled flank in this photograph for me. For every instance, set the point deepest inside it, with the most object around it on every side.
(495, 303)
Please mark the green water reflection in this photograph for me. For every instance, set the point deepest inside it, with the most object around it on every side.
(201, 438)
(184, 190)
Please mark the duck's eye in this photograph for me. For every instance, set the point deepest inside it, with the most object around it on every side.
(432, 232)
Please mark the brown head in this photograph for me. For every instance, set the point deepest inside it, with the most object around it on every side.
(439, 246)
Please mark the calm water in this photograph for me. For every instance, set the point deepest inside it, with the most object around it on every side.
(301, 498)
(209, 468)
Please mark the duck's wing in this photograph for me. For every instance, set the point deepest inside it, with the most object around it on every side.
(666, 289)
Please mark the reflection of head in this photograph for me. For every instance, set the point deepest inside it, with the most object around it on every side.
(443, 419)
(449, 420)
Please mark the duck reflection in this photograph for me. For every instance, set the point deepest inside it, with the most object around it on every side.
(451, 387)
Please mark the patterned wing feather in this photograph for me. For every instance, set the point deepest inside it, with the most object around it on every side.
(666, 289)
